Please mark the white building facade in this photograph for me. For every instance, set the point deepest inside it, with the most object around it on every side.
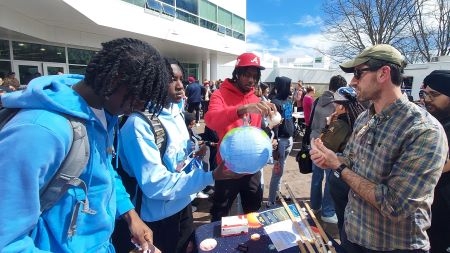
(50, 36)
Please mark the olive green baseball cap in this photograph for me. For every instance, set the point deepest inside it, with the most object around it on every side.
(382, 52)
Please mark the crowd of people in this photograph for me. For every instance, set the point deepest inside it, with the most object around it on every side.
(385, 158)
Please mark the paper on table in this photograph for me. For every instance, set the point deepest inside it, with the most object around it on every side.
(283, 234)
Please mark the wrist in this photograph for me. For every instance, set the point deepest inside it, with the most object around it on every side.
(338, 171)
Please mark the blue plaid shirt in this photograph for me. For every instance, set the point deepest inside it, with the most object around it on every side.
(402, 150)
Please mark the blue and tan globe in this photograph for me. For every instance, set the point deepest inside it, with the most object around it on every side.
(245, 149)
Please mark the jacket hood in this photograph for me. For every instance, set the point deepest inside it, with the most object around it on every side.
(283, 85)
(41, 94)
(326, 98)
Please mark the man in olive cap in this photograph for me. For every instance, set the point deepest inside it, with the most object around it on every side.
(436, 95)
(391, 162)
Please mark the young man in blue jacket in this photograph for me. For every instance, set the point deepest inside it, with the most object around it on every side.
(125, 74)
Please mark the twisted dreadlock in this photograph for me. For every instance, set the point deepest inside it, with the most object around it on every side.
(353, 108)
(131, 63)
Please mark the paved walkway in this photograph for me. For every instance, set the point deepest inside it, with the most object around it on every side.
(299, 183)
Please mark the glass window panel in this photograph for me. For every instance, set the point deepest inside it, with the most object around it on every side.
(4, 50)
(154, 5)
(238, 24)
(188, 5)
(76, 69)
(208, 10)
(181, 15)
(171, 2)
(79, 56)
(27, 72)
(209, 25)
(221, 29)
(5, 68)
(224, 17)
(38, 52)
(168, 10)
(136, 2)
(238, 35)
(229, 32)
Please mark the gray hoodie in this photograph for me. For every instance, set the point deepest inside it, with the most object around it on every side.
(324, 108)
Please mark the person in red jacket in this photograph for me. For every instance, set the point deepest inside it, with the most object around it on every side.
(232, 104)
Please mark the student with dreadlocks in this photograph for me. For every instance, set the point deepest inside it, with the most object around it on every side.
(170, 183)
(124, 75)
(335, 136)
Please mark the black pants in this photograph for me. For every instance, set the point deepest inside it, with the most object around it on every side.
(355, 248)
(195, 106)
(225, 192)
(172, 234)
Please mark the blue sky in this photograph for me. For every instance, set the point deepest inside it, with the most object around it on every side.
(285, 28)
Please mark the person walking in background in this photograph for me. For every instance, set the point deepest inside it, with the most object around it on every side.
(125, 74)
(168, 182)
(206, 94)
(335, 136)
(283, 133)
(194, 98)
(324, 109)
(308, 100)
(299, 93)
(234, 102)
(392, 161)
(436, 97)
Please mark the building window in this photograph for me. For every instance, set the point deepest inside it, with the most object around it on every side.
(5, 68)
(224, 17)
(4, 50)
(238, 24)
(77, 69)
(208, 11)
(79, 56)
(136, 2)
(38, 52)
(181, 15)
(188, 5)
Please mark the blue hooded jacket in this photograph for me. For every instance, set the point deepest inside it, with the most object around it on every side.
(34, 144)
(165, 190)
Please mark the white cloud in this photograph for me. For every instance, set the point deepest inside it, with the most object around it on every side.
(252, 29)
(309, 20)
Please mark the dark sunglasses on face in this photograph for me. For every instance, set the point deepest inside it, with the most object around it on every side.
(357, 73)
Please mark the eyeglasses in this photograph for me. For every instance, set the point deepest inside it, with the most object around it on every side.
(357, 73)
(428, 95)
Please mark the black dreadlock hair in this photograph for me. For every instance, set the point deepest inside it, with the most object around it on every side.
(241, 70)
(354, 108)
(170, 61)
(132, 63)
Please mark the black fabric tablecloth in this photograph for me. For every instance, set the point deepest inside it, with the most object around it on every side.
(231, 243)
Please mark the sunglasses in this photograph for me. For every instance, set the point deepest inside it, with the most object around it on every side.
(357, 73)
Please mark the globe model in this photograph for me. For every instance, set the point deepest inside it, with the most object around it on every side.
(245, 149)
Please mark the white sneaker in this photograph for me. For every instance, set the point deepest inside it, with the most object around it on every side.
(194, 209)
(333, 219)
(201, 195)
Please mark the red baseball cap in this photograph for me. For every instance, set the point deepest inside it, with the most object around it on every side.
(248, 60)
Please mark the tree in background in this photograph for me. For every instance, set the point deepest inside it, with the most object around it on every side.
(418, 28)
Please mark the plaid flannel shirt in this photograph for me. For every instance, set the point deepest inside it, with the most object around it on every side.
(402, 150)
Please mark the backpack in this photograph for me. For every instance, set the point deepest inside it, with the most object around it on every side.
(73, 165)
(121, 238)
